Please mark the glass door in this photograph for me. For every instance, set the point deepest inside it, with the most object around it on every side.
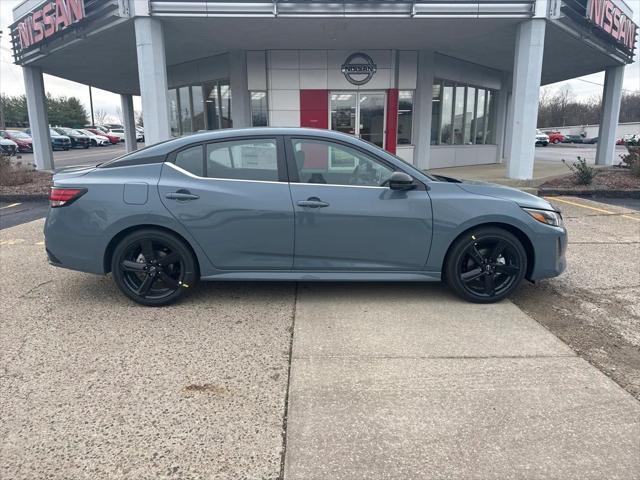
(359, 113)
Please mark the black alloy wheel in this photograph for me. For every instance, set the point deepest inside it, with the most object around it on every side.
(153, 267)
(486, 265)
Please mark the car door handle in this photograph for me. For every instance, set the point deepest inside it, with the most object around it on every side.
(181, 195)
(313, 202)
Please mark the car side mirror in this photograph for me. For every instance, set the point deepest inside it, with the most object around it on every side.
(401, 181)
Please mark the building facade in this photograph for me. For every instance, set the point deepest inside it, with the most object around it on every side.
(444, 83)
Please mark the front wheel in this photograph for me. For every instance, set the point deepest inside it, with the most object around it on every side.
(153, 268)
(485, 265)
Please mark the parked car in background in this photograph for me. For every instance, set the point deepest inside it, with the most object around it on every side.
(542, 138)
(96, 140)
(113, 139)
(268, 204)
(23, 140)
(78, 139)
(117, 132)
(8, 147)
(555, 137)
(591, 140)
(573, 139)
(58, 141)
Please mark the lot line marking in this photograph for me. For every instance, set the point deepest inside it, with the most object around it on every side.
(10, 206)
(556, 199)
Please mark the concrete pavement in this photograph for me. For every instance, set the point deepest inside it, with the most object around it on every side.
(406, 381)
(386, 381)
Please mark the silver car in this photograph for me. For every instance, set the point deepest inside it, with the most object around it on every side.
(293, 204)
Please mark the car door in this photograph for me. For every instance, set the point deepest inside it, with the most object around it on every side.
(346, 218)
(233, 196)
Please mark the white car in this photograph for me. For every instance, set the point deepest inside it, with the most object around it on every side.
(8, 147)
(96, 140)
(117, 132)
(542, 138)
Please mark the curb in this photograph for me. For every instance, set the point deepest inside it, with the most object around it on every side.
(556, 192)
(36, 197)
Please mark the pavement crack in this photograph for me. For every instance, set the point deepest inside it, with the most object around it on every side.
(286, 397)
(26, 294)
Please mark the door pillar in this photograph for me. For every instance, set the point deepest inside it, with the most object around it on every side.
(152, 72)
(527, 72)
(38, 118)
(612, 93)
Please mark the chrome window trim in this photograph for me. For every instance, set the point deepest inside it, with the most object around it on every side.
(189, 174)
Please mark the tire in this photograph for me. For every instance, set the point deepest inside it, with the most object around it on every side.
(148, 279)
(66, 149)
(86, 146)
(544, 144)
(476, 273)
(556, 141)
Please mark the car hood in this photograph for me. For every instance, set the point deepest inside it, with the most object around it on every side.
(6, 141)
(500, 191)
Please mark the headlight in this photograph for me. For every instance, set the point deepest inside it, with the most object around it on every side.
(547, 217)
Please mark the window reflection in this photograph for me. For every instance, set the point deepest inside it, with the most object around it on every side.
(200, 107)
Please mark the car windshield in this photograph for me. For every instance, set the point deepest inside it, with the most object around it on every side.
(77, 132)
(17, 134)
(55, 133)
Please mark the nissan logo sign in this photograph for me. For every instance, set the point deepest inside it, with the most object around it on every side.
(358, 68)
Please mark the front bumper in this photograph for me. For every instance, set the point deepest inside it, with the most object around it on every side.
(550, 254)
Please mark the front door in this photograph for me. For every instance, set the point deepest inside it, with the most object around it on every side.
(234, 199)
(359, 113)
(346, 218)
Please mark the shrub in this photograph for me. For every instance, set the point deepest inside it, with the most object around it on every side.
(631, 161)
(584, 173)
(13, 174)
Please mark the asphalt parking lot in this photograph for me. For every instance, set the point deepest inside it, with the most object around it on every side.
(317, 381)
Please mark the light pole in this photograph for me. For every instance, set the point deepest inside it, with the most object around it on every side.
(93, 121)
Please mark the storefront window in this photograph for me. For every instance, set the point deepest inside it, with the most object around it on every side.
(185, 110)
(198, 108)
(458, 116)
(225, 105)
(435, 113)
(446, 115)
(469, 116)
(480, 117)
(173, 112)
(405, 116)
(462, 114)
(259, 110)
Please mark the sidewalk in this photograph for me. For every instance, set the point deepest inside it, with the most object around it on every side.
(406, 382)
(497, 173)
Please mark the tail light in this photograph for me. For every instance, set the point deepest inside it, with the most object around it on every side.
(60, 197)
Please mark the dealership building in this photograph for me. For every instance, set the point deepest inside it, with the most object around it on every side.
(437, 82)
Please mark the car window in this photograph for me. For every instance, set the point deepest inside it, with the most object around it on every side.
(191, 160)
(250, 159)
(320, 161)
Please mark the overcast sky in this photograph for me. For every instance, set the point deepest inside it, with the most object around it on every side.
(11, 82)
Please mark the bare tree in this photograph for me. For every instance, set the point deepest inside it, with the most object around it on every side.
(101, 116)
(139, 119)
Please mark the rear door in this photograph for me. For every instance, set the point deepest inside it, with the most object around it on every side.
(233, 196)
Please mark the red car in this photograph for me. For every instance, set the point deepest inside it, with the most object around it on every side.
(556, 137)
(112, 138)
(22, 139)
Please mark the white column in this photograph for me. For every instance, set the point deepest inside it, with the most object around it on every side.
(152, 73)
(527, 71)
(38, 118)
(612, 93)
(240, 103)
(501, 119)
(422, 110)
(129, 123)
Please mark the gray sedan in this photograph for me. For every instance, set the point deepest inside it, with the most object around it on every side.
(293, 204)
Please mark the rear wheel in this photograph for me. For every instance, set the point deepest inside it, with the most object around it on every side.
(486, 265)
(153, 267)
